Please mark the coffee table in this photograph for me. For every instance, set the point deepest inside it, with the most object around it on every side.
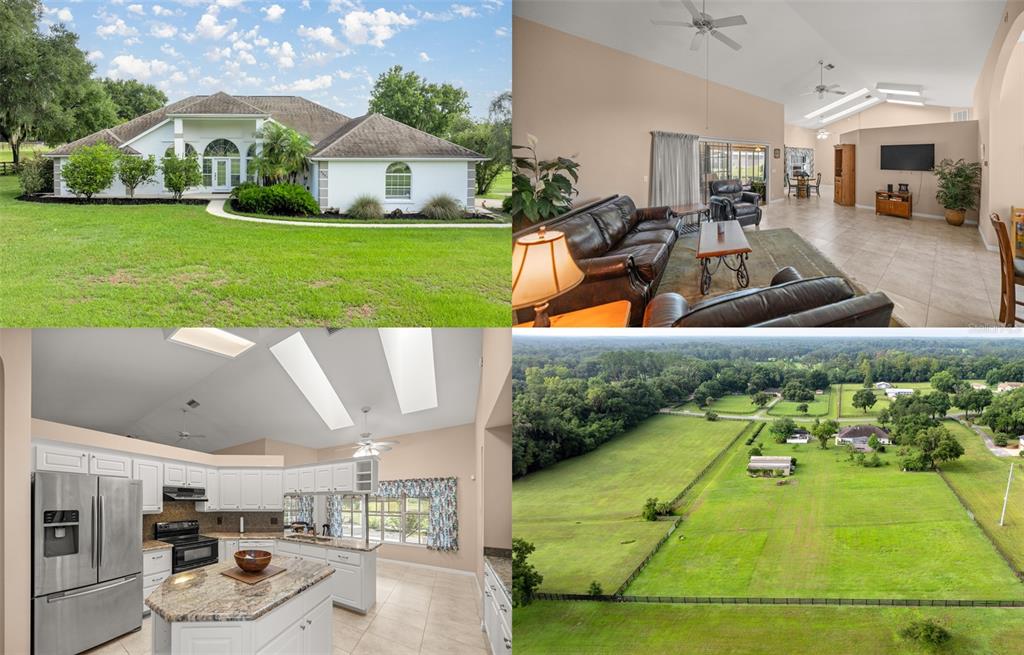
(730, 247)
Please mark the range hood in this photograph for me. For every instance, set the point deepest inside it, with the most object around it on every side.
(184, 493)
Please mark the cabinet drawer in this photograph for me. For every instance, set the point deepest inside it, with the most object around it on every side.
(155, 579)
(286, 547)
(156, 561)
(312, 552)
(344, 557)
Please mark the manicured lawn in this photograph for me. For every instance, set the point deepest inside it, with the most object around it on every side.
(980, 479)
(835, 530)
(546, 627)
(736, 404)
(26, 152)
(158, 265)
(501, 187)
(583, 513)
(822, 406)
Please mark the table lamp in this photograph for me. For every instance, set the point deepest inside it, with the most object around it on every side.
(542, 269)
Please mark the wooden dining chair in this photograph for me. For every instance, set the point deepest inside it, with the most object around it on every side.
(817, 185)
(1012, 274)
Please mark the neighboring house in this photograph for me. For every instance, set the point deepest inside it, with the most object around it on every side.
(893, 392)
(799, 436)
(1008, 386)
(883, 385)
(770, 465)
(978, 386)
(858, 436)
(372, 154)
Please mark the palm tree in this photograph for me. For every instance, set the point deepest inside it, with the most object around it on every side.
(283, 155)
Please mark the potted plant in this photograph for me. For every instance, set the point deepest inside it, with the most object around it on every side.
(541, 188)
(959, 188)
(761, 189)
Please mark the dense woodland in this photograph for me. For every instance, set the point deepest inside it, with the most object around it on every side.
(569, 397)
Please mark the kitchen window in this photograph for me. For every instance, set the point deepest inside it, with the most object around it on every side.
(402, 520)
(298, 508)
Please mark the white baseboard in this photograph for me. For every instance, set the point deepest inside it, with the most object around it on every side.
(918, 215)
(988, 246)
(427, 566)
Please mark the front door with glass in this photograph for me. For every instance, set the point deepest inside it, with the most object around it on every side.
(221, 175)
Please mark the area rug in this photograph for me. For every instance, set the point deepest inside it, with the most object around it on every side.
(772, 250)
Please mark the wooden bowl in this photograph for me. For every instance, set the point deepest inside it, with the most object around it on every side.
(252, 561)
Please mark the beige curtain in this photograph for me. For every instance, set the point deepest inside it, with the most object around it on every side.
(675, 169)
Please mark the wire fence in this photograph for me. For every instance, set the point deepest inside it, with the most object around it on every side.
(8, 168)
(762, 600)
(984, 530)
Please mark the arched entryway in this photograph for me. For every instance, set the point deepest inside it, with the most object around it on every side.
(222, 165)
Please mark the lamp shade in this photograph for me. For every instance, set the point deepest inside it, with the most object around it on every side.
(542, 268)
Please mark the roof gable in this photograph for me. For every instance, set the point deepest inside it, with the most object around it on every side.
(219, 103)
(375, 135)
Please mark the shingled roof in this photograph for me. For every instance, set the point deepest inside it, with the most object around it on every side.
(103, 136)
(219, 103)
(374, 135)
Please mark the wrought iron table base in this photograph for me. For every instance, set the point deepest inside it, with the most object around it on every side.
(739, 267)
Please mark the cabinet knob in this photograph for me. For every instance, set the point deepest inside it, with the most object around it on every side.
(303, 627)
(309, 621)
(508, 643)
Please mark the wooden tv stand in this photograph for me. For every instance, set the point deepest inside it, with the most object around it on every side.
(894, 203)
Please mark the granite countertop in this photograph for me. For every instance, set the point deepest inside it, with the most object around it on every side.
(153, 544)
(204, 594)
(347, 543)
(244, 535)
(502, 566)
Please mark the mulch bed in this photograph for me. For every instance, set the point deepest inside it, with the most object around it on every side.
(111, 201)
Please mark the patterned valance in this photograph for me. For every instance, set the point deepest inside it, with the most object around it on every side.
(443, 533)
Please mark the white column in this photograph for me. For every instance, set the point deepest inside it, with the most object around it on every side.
(179, 138)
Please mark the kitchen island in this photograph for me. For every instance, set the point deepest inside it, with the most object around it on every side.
(203, 611)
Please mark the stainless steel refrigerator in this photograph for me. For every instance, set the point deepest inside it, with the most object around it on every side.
(86, 560)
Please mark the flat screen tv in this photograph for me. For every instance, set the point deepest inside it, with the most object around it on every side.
(920, 157)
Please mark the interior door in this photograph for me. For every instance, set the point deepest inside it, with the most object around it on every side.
(119, 526)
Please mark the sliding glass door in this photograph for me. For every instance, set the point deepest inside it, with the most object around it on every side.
(728, 160)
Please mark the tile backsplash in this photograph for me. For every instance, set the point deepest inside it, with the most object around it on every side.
(182, 510)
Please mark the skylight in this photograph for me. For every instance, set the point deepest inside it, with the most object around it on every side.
(299, 362)
(211, 340)
(410, 356)
(838, 103)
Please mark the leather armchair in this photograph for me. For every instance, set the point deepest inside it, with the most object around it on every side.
(729, 202)
(789, 301)
(623, 252)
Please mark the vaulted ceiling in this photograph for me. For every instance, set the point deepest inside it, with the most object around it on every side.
(136, 382)
(938, 44)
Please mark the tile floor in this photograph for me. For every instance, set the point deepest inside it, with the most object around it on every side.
(938, 275)
(418, 610)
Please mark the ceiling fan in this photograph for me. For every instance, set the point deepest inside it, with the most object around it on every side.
(185, 435)
(367, 447)
(821, 89)
(705, 25)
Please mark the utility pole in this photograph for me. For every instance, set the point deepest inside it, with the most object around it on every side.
(1002, 517)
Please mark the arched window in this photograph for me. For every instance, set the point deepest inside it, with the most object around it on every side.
(250, 170)
(221, 148)
(189, 150)
(398, 181)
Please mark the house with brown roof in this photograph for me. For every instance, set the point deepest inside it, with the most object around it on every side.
(858, 436)
(370, 155)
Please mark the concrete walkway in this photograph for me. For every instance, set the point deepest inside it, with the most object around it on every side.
(216, 207)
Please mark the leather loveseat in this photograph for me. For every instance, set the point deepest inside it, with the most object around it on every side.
(622, 250)
(729, 202)
(790, 301)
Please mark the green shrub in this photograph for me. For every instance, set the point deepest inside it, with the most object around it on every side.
(663, 509)
(367, 208)
(241, 187)
(650, 511)
(442, 208)
(134, 171)
(711, 416)
(1001, 441)
(872, 462)
(755, 451)
(595, 589)
(180, 174)
(90, 169)
(525, 578)
(926, 631)
(277, 199)
(36, 175)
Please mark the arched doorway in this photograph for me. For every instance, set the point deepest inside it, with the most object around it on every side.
(222, 165)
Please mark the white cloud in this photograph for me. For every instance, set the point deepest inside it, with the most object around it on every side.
(311, 84)
(209, 81)
(116, 28)
(209, 27)
(63, 15)
(465, 11)
(137, 9)
(246, 57)
(169, 50)
(216, 54)
(501, 31)
(178, 77)
(163, 30)
(305, 4)
(132, 40)
(424, 56)
(229, 3)
(283, 54)
(338, 6)
(261, 41)
(128, 67)
(373, 28)
(319, 58)
(240, 44)
(273, 12)
(321, 34)
(94, 55)
(345, 75)
(161, 11)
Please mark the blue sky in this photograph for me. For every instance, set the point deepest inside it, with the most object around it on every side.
(329, 51)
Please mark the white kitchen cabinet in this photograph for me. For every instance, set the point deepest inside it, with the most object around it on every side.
(292, 640)
(151, 473)
(347, 588)
(226, 549)
(307, 480)
(257, 544)
(313, 553)
(291, 481)
(230, 489)
(323, 478)
(118, 466)
(342, 476)
(61, 460)
(175, 474)
(156, 566)
(212, 492)
(290, 548)
(366, 476)
(497, 613)
(319, 631)
(251, 497)
(271, 490)
(195, 476)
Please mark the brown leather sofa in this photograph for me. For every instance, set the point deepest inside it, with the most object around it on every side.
(622, 250)
(790, 301)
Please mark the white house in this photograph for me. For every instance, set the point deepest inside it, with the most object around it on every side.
(893, 392)
(882, 385)
(799, 436)
(370, 155)
(858, 436)
(1003, 387)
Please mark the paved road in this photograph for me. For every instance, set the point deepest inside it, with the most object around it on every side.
(998, 451)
